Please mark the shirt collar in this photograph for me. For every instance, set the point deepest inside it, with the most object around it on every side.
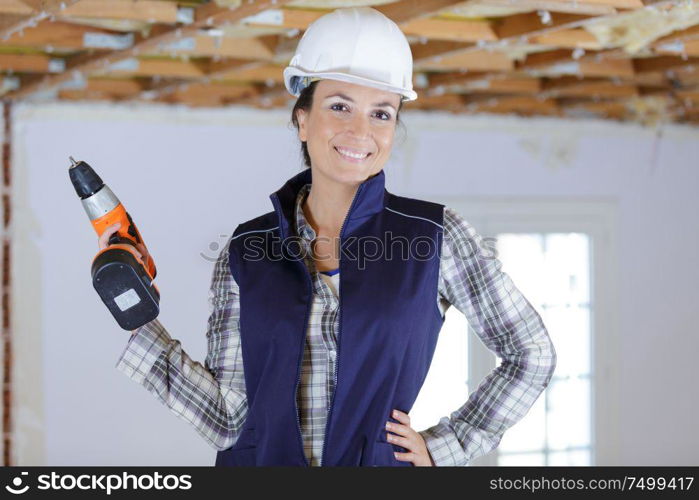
(303, 228)
(370, 198)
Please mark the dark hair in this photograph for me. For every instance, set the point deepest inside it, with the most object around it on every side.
(305, 102)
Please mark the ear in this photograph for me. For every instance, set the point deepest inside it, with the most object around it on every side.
(301, 119)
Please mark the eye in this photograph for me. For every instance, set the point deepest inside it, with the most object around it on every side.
(337, 104)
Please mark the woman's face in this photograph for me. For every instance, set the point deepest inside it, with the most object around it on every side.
(349, 118)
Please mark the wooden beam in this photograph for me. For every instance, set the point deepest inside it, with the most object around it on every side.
(448, 102)
(104, 89)
(8, 23)
(85, 95)
(25, 63)
(522, 104)
(685, 76)
(599, 88)
(403, 13)
(407, 11)
(228, 71)
(661, 63)
(271, 98)
(649, 79)
(152, 11)
(48, 5)
(118, 87)
(622, 68)
(292, 18)
(459, 78)
(620, 4)
(252, 72)
(591, 65)
(691, 95)
(457, 31)
(220, 16)
(566, 6)
(542, 59)
(505, 85)
(609, 109)
(53, 35)
(430, 48)
(218, 90)
(481, 60)
(569, 38)
(40, 9)
(515, 85)
(15, 7)
(212, 46)
(531, 23)
(691, 33)
(689, 48)
(168, 68)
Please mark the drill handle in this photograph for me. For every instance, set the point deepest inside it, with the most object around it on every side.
(134, 237)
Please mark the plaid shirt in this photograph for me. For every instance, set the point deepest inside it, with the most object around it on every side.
(212, 398)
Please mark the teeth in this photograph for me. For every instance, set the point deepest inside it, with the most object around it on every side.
(352, 155)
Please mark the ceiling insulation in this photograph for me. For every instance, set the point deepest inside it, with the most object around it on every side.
(650, 110)
(246, 31)
(316, 4)
(635, 60)
(228, 3)
(111, 24)
(480, 9)
(633, 31)
(519, 52)
(335, 4)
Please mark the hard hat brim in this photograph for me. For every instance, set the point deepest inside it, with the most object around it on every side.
(290, 72)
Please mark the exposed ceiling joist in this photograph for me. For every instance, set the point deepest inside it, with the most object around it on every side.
(616, 58)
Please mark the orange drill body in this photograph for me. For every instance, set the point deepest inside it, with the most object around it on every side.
(119, 214)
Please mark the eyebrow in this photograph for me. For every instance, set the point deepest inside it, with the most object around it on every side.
(343, 96)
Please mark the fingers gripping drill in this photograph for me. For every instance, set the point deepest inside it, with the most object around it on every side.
(123, 281)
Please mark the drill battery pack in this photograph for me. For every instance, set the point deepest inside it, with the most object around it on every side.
(124, 286)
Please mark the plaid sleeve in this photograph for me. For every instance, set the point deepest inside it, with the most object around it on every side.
(472, 280)
(212, 396)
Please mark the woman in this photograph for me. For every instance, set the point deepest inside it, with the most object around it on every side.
(337, 337)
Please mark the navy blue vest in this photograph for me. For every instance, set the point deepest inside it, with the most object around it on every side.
(389, 321)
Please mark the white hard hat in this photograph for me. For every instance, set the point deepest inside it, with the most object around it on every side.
(356, 45)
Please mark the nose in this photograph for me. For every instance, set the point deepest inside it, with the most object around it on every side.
(360, 125)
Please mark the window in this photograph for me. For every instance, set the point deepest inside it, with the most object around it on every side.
(553, 271)
(562, 255)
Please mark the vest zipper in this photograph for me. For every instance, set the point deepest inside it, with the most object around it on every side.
(337, 356)
(303, 346)
(298, 371)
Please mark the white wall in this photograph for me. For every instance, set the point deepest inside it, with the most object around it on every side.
(188, 177)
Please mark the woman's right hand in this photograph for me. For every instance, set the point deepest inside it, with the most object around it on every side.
(103, 242)
(140, 249)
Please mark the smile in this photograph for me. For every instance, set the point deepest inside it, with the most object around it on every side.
(351, 156)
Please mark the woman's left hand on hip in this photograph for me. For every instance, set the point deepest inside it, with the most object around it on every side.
(404, 435)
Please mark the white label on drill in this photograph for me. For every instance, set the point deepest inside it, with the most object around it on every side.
(127, 299)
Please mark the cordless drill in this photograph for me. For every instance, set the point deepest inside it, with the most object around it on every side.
(123, 281)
